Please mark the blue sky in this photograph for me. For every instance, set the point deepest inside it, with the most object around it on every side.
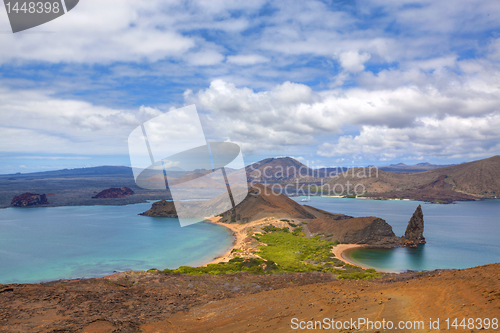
(370, 82)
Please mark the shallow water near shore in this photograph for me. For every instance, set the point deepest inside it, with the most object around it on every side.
(50, 243)
(460, 235)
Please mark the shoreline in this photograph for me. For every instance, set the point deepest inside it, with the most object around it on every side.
(341, 252)
(237, 241)
(239, 232)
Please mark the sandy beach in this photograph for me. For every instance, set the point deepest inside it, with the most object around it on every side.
(341, 248)
(240, 234)
(237, 233)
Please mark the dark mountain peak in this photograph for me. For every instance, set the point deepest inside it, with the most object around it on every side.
(423, 164)
(274, 169)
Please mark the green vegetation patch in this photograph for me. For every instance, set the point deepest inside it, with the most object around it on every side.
(285, 252)
(235, 265)
(272, 228)
(298, 232)
(356, 276)
(298, 254)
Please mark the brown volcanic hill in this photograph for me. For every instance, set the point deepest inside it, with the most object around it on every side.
(357, 230)
(29, 199)
(479, 178)
(114, 192)
(436, 191)
(263, 202)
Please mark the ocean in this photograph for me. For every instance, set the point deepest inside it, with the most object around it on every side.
(51, 243)
(460, 235)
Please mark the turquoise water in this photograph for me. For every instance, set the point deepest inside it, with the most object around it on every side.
(460, 235)
(50, 243)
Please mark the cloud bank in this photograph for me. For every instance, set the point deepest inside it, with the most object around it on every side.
(372, 80)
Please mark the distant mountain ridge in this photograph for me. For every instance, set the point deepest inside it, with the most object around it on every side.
(276, 169)
(419, 167)
(466, 181)
(90, 171)
(288, 170)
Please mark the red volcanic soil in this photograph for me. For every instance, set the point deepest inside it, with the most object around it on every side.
(29, 199)
(154, 302)
(471, 293)
(124, 301)
(114, 192)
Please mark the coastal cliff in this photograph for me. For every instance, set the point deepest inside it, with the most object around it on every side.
(114, 192)
(29, 199)
(357, 230)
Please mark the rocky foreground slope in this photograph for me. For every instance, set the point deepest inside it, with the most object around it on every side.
(243, 302)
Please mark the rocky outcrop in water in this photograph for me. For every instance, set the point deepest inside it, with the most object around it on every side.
(29, 199)
(161, 208)
(414, 234)
(114, 192)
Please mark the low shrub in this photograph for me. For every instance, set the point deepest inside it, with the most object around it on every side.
(235, 265)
